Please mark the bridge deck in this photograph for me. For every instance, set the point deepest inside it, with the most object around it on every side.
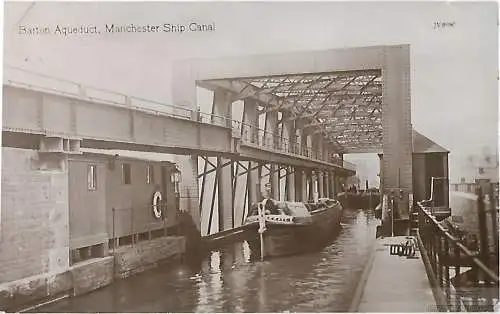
(392, 283)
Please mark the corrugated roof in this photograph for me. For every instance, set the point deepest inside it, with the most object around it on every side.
(423, 144)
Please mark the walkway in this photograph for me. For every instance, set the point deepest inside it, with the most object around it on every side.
(392, 283)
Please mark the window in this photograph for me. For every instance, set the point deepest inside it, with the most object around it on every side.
(92, 177)
(126, 174)
(149, 174)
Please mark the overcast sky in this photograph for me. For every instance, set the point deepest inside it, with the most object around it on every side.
(454, 69)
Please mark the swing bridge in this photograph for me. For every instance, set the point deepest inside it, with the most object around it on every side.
(299, 115)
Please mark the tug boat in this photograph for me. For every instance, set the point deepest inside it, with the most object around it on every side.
(291, 227)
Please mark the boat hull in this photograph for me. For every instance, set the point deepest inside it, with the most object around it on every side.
(281, 240)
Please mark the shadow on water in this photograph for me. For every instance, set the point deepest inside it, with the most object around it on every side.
(230, 279)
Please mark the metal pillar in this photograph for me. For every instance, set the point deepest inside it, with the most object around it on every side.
(289, 133)
(225, 193)
(253, 183)
(298, 184)
(222, 107)
(303, 177)
(274, 179)
(290, 183)
(310, 190)
(250, 119)
(327, 185)
(304, 149)
(315, 185)
(270, 141)
(320, 184)
(396, 122)
(270, 128)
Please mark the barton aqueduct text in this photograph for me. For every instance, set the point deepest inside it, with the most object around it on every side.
(66, 30)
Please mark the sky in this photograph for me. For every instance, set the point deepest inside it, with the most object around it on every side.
(454, 77)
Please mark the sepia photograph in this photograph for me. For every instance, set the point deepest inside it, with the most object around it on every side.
(262, 157)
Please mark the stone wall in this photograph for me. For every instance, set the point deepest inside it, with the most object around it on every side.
(141, 256)
(34, 236)
(92, 274)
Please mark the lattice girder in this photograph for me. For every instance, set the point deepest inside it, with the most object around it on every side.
(345, 106)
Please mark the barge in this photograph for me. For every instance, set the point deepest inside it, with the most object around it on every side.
(291, 227)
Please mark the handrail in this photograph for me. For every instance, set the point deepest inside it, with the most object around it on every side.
(250, 134)
(462, 247)
(446, 251)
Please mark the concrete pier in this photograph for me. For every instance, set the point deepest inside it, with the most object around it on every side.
(392, 283)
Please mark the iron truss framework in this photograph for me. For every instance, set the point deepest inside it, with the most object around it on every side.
(346, 106)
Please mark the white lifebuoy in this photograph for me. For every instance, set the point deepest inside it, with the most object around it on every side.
(157, 198)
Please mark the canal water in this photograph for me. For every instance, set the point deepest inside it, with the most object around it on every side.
(231, 280)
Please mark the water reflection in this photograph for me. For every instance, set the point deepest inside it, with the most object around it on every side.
(232, 280)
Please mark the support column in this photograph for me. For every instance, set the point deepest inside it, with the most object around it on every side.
(222, 107)
(303, 142)
(321, 184)
(396, 122)
(250, 120)
(315, 185)
(253, 184)
(310, 192)
(327, 185)
(225, 192)
(333, 179)
(298, 184)
(289, 133)
(303, 195)
(274, 179)
(270, 129)
(290, 183)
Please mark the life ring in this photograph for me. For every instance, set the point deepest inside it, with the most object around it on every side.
(157, 198)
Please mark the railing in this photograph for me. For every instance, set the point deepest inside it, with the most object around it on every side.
(132, 225)
(249, 134)
(468, 187)
(477, 288)
(18, 77)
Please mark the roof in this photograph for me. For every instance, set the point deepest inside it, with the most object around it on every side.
(423, 144)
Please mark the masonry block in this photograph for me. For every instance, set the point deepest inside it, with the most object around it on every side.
(132, 259)
(92, 274)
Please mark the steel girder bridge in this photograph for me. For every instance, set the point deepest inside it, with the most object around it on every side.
(330, 102)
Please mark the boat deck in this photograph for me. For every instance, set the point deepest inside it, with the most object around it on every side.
(392, 283)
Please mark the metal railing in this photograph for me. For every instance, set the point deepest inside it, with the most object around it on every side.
(476, 289)
(252, 135)
(19, 77)
(131, 225)
(468, 187)
(249, 134)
